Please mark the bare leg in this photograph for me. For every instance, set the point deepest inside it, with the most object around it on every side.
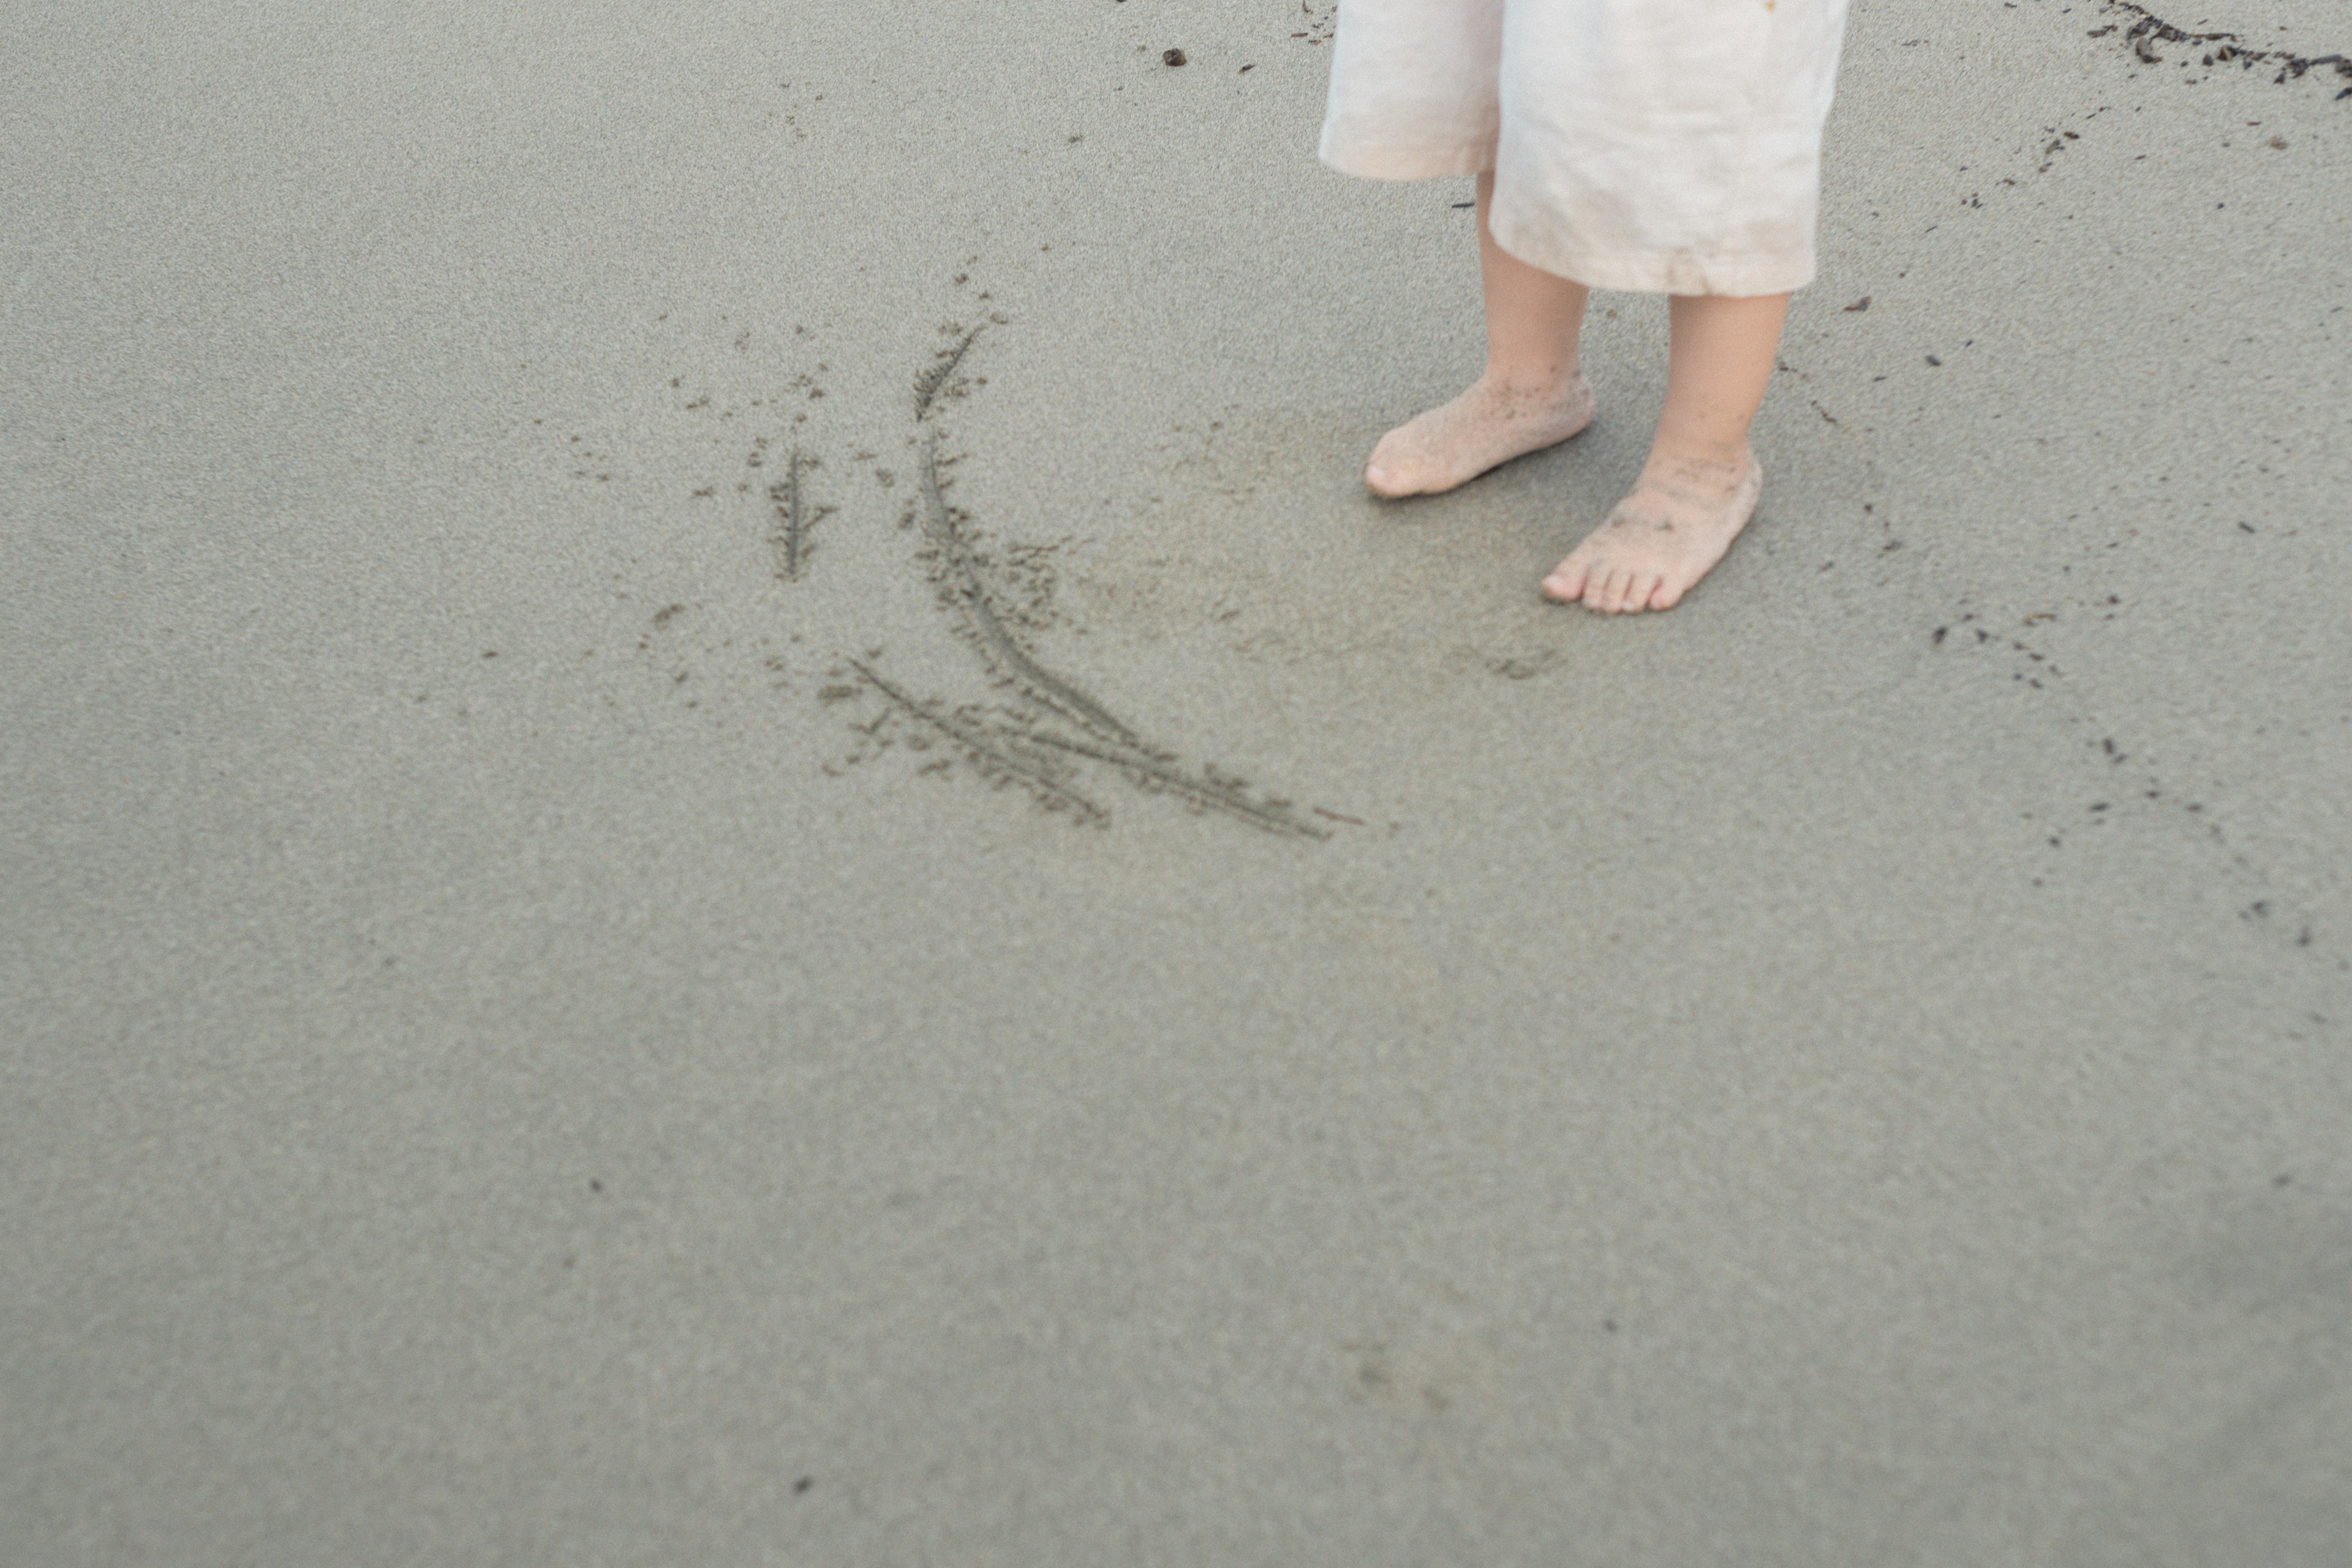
(1531, 396)
(1700, 485)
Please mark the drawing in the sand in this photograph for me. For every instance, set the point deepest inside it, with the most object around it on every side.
(1000, 752)
(1104, 737)
(1009, 659)
(928, 383)
(1053, 719)
(794, 517)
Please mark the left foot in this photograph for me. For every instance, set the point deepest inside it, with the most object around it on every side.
(1661, 539)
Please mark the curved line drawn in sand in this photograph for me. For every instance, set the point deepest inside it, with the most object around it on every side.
(1013, 751)
(1037, 683)
(1114, 741)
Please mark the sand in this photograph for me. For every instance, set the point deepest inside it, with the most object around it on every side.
(590, 975)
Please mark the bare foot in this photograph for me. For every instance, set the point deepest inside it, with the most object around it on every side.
(1657, 542)
(1488, 425)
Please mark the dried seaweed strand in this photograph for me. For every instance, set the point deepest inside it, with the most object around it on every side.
(1028, 773)
(2152, 26)
(1042, 685)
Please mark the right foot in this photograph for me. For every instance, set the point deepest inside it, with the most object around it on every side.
(1486, 425)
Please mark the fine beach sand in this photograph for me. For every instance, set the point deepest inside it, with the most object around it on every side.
(647, 920)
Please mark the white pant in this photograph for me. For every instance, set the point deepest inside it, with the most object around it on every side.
(1670, 147)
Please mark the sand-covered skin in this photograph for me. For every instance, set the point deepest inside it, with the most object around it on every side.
(1670, 529)
(1480, 428)
(518, 1046)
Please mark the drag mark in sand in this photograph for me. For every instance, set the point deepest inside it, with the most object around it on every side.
(1111, 741)
(1209, 791)
(1037, 682)
(985, 751)
(1048, 727)
(928, 383)
(793, 516)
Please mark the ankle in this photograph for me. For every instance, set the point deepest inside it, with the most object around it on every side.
(1528, 383)
(1698, 457)
(1700, 470)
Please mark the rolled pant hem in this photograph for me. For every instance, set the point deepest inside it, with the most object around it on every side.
(1667, 273)
(1664, 273)
(1369, 162)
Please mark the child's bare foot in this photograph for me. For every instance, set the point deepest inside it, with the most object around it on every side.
(1488, 425)
(1661, 539)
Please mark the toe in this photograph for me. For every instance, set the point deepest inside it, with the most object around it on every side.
(1669, 593)
(1609, 596)
(1568, 580)
(1645, 590)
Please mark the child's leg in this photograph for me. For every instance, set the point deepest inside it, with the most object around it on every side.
(1529, 397)
(1700, 485)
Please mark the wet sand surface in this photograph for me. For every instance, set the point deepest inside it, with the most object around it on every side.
(728, 839)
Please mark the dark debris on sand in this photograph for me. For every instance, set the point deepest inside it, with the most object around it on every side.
(2143, 36)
